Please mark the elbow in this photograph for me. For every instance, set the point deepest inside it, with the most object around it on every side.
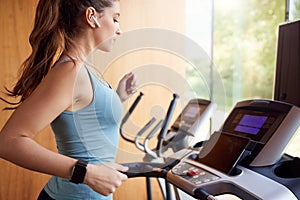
(6, 143)
(2, 145)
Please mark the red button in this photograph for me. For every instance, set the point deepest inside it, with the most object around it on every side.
(193, 172)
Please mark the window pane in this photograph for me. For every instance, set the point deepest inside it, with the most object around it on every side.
(294, 10)
(245, 42)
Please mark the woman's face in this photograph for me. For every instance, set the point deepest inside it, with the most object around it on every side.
(109, 27)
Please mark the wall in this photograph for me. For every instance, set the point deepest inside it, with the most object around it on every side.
(16, 22)
(16, 19)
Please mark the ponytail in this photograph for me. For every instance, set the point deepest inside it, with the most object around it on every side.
(57, 24)
(46, 40)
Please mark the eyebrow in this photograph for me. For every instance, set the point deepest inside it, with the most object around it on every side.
(117, 14)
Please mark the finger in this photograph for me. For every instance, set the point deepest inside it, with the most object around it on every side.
(134, 80)
(117, 167)
(121, 168)
(131, 91)
(124, 177)
(129, 75)
(126, 76)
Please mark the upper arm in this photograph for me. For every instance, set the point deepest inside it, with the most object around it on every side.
(50, 98)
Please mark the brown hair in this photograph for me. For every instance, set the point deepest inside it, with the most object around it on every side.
(57, 22)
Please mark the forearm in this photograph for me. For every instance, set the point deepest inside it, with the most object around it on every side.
(25, 152)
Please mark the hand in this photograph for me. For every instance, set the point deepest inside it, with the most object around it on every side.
(127, 86)
(105, 178)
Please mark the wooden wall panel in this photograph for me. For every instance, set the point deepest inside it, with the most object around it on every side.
(16, 19)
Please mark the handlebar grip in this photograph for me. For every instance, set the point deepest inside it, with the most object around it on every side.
(141, 169)
(132, 107)
(166, 123)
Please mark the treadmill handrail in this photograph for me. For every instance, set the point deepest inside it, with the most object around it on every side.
(149, 136)
(141, 132)
(126, 117)
(165, 125)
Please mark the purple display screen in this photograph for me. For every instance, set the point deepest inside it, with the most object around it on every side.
(192, 111)
(251, 124)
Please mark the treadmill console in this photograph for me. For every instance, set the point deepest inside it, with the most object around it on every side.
(256, 123)
(192, 116)
(268, 124)
(254, 134)
(189, 124)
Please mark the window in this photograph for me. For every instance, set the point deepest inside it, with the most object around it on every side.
(243, 35)
(240, 37)
(245, 40)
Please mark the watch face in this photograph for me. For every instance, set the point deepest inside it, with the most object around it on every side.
(79, 172)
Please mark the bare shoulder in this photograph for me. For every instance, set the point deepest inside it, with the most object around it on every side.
(53, 96)
(58, 84)
(71, 79)
(63, 76)
(65, 70)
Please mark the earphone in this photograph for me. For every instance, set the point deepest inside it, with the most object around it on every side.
(96, 22)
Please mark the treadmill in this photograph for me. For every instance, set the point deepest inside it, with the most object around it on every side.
(244, 158)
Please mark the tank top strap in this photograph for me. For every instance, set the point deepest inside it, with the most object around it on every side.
(94, 78)
(65, 60)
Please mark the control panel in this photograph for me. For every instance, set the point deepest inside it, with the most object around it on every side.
(194, 174)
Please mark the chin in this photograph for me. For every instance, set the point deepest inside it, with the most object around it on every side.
(107, 46)
(105, 49)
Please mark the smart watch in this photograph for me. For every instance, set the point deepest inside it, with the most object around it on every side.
(78, 172)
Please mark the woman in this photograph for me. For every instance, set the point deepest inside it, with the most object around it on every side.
(57, 87)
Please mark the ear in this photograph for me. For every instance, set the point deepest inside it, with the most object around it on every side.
(90, 12)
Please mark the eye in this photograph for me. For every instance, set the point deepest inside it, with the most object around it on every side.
(116, 21)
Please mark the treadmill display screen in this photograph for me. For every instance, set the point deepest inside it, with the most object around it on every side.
(256, 125)
(251, 124)
(192, 111)
(222, 151)
(190, 115)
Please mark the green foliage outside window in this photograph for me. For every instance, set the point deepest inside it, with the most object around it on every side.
(245, 41)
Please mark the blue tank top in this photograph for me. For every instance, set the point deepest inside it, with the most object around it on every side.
(90, 134)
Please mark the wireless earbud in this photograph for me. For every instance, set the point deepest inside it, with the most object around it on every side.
(96, 22)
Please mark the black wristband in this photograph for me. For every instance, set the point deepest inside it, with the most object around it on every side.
(78, 172)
